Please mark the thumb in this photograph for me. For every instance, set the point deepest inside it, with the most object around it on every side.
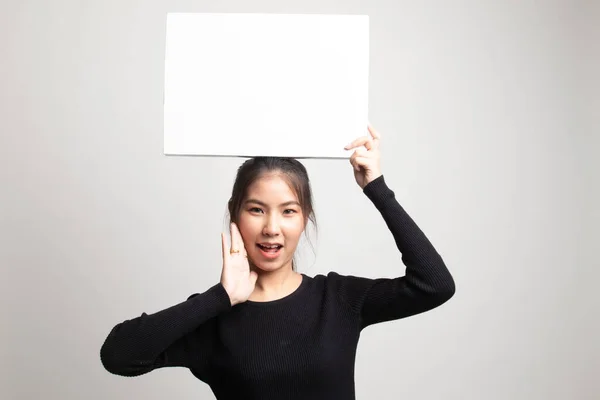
(253, 277)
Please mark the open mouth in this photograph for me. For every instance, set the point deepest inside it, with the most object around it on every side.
(269, 251)
(274, 248)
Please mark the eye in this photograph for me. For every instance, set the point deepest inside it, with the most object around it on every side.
(255, 209)
(290, 211)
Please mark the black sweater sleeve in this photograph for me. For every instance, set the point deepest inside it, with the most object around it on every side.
(166, 338)
(426, 284)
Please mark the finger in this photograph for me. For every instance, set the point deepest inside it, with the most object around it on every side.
(238, 242)
(223, 245)
(234, 237)
(362, 162)
(374, 134)
(241, 246)
(358, 155)
(361, 152)
(361, 141)
(353, 162)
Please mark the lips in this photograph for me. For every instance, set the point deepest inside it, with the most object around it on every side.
(269, 246)
(269, 251)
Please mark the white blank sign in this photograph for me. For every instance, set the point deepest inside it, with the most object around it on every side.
(288, 85)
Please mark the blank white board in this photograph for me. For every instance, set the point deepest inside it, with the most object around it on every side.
(288, 85)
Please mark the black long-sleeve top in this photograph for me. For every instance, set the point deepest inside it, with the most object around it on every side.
(302, 346)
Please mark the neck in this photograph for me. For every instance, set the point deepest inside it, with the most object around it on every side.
(272, 285)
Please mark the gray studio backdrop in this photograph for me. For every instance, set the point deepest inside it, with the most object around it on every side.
(487, 112)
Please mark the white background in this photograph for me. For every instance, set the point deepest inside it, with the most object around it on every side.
(489, 117)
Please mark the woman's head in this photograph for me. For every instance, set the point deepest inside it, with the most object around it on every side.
(271, 203)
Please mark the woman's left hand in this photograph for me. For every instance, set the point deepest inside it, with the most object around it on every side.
(365, 160)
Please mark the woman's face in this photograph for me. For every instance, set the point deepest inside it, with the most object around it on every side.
(270, 223)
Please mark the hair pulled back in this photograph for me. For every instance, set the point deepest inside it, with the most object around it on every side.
(288, 168)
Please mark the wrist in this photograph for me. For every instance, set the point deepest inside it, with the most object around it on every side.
(372, 178)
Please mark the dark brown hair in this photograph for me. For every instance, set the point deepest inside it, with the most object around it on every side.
(289, 168)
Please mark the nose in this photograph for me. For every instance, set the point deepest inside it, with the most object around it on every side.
(271, 227)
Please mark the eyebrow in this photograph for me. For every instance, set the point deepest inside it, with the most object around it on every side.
(287, 203)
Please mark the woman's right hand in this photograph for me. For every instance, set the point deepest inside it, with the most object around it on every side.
(236, 277)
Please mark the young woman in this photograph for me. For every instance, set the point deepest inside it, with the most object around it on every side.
(266, 331)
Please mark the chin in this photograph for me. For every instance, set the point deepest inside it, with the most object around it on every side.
(268, 266)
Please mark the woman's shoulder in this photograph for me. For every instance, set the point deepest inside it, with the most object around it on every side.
(347, 289)
(336, 277)
(343, 284)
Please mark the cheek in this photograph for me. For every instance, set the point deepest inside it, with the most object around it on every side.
(293, 230)
(250, 229)
(245, 229)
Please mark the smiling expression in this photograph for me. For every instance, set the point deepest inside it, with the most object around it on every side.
(271, 222)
